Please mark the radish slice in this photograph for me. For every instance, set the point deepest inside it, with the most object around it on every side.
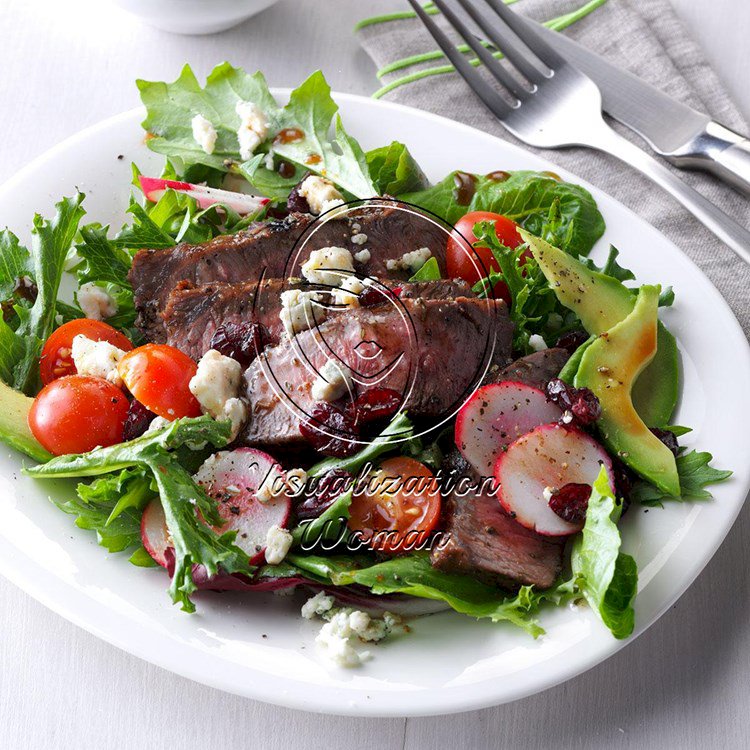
(154, 532)
(495, 416)
(547, 458)
(233, 479)
(154, 188)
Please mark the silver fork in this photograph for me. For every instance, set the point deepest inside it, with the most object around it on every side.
(551, 104)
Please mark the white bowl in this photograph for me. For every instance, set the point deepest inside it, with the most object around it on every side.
(194, 16)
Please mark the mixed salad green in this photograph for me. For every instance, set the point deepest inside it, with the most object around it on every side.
(122, 479)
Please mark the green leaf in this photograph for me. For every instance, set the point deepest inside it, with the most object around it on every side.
(430, 271)
(399, 430)
(413, 575)
(181, 498)
(313, 111)
(394, 170)
(695, 472)
(607, 578)
(14, 264)
(51, 241)
(171, 107)
(526, 198)
(95, 504)
(327, 526)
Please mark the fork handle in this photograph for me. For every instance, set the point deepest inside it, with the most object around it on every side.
(720, 151)
(721, 224)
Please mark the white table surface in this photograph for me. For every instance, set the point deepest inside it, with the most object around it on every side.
(65, 64)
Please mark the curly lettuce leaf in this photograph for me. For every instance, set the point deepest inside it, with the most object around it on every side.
(606, 577)
(526, 198)
(112, 506)
(21, 339)
(182, 499)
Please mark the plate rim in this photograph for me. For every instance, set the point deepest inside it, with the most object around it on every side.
(450, 700)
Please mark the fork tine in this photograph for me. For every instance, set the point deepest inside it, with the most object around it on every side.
(506, 41)
(481, 88)
(527, 34)
(489, 61)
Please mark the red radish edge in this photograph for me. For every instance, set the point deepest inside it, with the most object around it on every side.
(495, 416)
(154, 533)
(232, 478)
(551, 455)
(155, 187)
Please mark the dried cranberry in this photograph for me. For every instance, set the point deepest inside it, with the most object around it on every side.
(373, 404)
(582, 403)
(137, 420)
(668, 438)
(624, 480)
(571, 501)
(297, 202)
(572, 340)
(330, 430)
(240, 341)
(322, 491)
(373, 296)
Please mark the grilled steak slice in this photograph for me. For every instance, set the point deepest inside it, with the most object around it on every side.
(431, 351)
(444, 289)
(485, 542)
(270, 248)
(535, 369)
(193, 313)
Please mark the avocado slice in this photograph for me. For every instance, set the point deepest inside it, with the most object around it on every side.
(14, 423)
(609, 367)
(601, 302)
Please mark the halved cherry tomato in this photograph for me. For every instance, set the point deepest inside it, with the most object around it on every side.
(401, 500)
(76, 414)
(472, 263)
(158, 375)
(56, 360)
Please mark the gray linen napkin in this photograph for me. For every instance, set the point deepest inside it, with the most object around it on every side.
(643, 36)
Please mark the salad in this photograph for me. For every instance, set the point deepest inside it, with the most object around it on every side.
(301, 364)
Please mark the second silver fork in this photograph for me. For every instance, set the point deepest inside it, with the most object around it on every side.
(551, 104)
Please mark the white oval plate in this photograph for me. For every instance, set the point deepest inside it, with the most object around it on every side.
(258, 646)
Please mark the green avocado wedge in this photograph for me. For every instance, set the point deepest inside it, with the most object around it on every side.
(14, 424)
(601, 302)
(610, 367)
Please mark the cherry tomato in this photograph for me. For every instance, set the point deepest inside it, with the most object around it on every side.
(403, 498)
(472, 263)
(158, 375)
(56, 360)
(76, 414)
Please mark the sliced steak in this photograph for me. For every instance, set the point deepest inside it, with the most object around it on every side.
(443, 289)
(276, 249)
(193, 313)
(431, 351)
(485, 542)
(535, 369)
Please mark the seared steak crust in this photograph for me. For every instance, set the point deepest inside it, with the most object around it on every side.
(268, 249)
(485, 542)
(433, 352)
(193, 313)
(535, 369)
